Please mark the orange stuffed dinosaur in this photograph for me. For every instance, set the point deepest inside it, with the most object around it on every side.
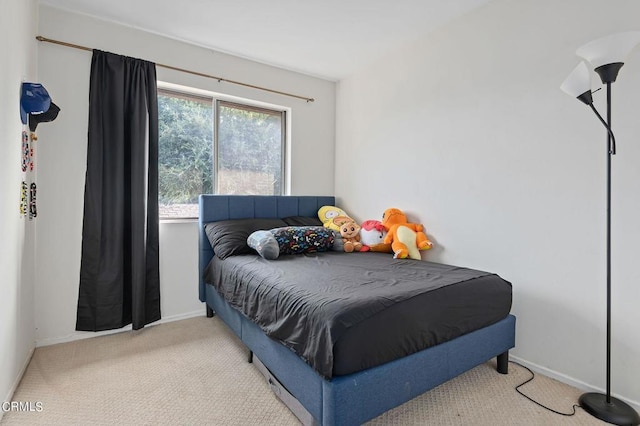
(405, 238)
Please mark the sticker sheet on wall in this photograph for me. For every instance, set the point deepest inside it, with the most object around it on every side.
(36, 107)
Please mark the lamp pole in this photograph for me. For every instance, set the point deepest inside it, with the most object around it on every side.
(606, 56)
(609, 154)
(605, 407)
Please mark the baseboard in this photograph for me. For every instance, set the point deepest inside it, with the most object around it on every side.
(79, 335)
(570, 380)
(13, 388)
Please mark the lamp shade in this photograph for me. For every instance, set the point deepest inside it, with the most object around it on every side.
(611, 49)
(578, 83)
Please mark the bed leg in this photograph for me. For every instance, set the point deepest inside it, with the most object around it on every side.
(503, 363)
(209, 311)
(250, 358)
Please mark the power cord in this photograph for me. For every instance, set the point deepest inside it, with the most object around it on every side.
(533, 400)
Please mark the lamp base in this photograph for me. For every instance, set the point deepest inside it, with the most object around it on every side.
(615, 412)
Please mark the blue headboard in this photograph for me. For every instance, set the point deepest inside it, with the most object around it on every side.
(224, 207)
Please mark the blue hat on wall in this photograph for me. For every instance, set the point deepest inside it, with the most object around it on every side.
(34, 98)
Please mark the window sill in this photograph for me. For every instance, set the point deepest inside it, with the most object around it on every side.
(179, 220)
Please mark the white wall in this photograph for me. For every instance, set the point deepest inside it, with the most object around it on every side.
(468, 132)
(65, 73)
(17, 63)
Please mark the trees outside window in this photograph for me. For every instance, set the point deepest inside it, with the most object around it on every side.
(210, 146)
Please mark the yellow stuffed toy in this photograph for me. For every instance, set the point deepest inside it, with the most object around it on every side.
(406, 238)
(332, 217)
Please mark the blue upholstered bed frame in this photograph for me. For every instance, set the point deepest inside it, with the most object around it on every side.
(358, 397)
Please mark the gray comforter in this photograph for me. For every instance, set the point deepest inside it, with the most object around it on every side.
(308, 302)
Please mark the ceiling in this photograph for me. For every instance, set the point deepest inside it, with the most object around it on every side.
(330, 39)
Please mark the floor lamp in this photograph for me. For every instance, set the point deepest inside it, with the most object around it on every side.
(606, 56)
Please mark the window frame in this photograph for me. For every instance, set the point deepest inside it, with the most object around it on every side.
(244, 103)
(255, 108)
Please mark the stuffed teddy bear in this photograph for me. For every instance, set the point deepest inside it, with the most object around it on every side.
(332, 217)
(350, 232)
(372, 234)
(406, 238)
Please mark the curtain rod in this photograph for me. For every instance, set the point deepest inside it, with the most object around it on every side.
(220, 79)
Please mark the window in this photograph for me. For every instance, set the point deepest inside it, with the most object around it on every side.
(249, 146)
(209, 145)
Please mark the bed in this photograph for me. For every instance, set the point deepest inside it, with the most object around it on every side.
(325, 383)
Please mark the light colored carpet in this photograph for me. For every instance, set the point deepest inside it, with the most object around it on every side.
(195, 372)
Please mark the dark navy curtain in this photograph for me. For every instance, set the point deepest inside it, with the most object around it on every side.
(119, 272)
